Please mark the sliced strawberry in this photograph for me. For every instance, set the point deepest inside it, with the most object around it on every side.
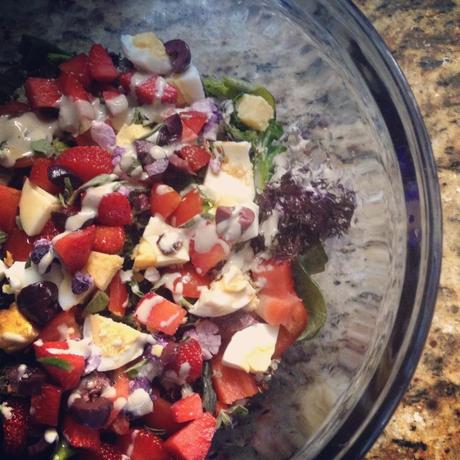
(24, 162)
(19, 244)
(9, 202)
(192, 124)
(80, 435)
(78, 66)
(101, 66)
(45, 406)
(188, 408)
(49, 231)
(42, 93)
(191, 282)
(86, 162)
(14, 108)
(169, 95)
(125, 81)
(205, 261)
(72, 87)
(64, 326)
(16, 427)
(190, 206)
(74, 249)
(164, 200)
(39, 175)
(193, 441)
(110, 94)
(184, 359)
(143, 445)
(109, 240)
(118, 296)
(114, 210)
(162, 417)
(85, 139)
(104, 452)
(196, 156)
(145, 92)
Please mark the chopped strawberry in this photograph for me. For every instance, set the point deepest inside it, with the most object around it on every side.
(45, 406)
(143, 445)
(24, 162)
(80, 435)
(169, 95)
(196, 156)
(114, 210)
(184, 359)
(118, 296)
(146, 92)
(72, 87)
(190, 206)
(78, 66)
(231, 384)
(86, 162)
(16, 427)
(39, 175)
(159, 314)
(191, 281)
(163, 200)
(205, 261)
(120, 425)
(110, 94)
(109, 239)
(49, 231)
(188, 408)
(19, 244)
(9, 202)
(125, 81)
(65, 368)
(193, 441)
(85, 139)
(64, 326)
(42, 93)
(101, 66)
(74, 248)
(14, 108)
(162, 417)
(192, 124)
(104, 452)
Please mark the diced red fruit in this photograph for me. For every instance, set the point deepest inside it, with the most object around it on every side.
(14, 108)
(121, 385)
(49, 231)
(190, 206)
(39, 175)
(9, 202)
(275, 277)
(101, 66)
(169, 95)
(114, 210)
(72, 87)
(78, 66)
(231, 384)
(42, 93)
(164, 200)
(194, 440)
(146, 92)
(162, 417)
(45, 406)
(62, 327)
(19, 244)
(109, 240)
(192, 124)
(190, 280)
(85, 139)
(110, 94)
(196, 156)
(16, 427)
(159, 314)
(104, 452)
(188, 408)
(118, 296)
(125, 81)
(205, 261)
(283, 342)
(120, 425)
(187, 353)
(86, 162)
(79, 435)
(143, 445)
(74, 249)
(24, 162)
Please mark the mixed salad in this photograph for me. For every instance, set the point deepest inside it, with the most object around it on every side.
(153, 272)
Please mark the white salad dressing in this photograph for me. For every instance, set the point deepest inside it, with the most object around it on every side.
(145, 307)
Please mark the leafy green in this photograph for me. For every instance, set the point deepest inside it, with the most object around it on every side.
(63, 451)
(3, 237)
(314, 259)
(101, 179)
(209, 395)
(56, 362)
(98, 303)
(138, 118)
(133, 371)
(313, 299)
(43, 147)
(59, 146)
(225, 416)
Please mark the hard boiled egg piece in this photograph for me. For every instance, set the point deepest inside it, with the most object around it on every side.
(189, 85)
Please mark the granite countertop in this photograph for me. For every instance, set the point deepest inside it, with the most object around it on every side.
(424, 36)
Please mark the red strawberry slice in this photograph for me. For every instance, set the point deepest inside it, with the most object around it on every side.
(114, 210)
(104, 452)
(39, 175)
(15, 427)
(74, 248)
(169, 95)
(80, 435)
(146, 92)
(101, 66)
(109, 240)
(45, 406)
(143, 445)
(14, 108)
(86, 161)
(190, 206)
(193, 441)
(19, 244)
(42, 93)
(118, 296)
(78, 66)
(184, 359)
(71, 86)
(110, 94)
(188, 408)
(62, 327)
(196, 156)
(192, 124)
(164, 200)
(125, 81)
(9, 202)
(49, 231)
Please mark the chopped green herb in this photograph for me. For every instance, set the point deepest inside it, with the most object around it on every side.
(225, 416)
(56, 362)
(133, 371)
(59, 146)
(98, 303)
(42, 147)
(138, 118)
(68, 188)
(63, 451)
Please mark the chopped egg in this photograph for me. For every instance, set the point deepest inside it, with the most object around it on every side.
(252, 348)
(254, 111)
(189, 85)
(139, 403)
(16, 332)
(129, 133)
(103, 267)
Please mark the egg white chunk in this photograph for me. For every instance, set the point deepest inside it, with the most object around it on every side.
(189, 85)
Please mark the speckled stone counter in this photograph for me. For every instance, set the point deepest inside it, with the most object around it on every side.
(424, 36)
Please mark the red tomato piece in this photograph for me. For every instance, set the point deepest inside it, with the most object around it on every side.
(118, 296)
(164, 200)
(42, 93)
(114, 210)
(39, 175)
(101, 66)
(9, 202)
(19, 244)
(190, 206)
(109, 240)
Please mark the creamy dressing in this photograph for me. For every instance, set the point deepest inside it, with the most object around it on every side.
(117, 105)
(51, 435)
(139, 403)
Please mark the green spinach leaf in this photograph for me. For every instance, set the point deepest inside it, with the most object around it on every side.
(314, 260)
(209, 395)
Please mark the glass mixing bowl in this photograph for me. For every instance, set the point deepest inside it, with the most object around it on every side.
(333, 76)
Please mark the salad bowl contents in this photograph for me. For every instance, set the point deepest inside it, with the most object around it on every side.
(157, 252)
